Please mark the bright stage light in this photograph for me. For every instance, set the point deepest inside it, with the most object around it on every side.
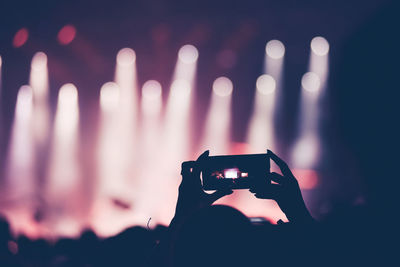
(64, 177)
(319, 60)
(188, 54)
(218, 122)
(311, 82)
(117, 145)
(67, 116)
(39, 80)
(23, 107)
(306, 152)
(319, 46)
(180, 88)
(109, 96)
(275, 49)
(222, 86)
(126, 57)
(266, 84)
(20, 170)
(273, 66)
(151, 90)
(126, 78)
(150, 154)
(39, 61)
(151, 97)
(260, 134)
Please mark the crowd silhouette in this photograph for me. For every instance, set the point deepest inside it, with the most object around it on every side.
(203, 234)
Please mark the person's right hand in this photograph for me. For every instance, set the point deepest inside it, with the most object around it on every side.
(191, 195)
(286, 192)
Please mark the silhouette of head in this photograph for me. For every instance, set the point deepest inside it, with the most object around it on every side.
(214, 236)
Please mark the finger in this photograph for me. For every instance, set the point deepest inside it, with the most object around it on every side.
(272, 192)
(187, 167)
(204, 155)
(281, 164)
(277, 178)
(198, 165)
(187, 174)
(219, 193)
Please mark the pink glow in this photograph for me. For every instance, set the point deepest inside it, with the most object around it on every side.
(66, 35)
(20, 37)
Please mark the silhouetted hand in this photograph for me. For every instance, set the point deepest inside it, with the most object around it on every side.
(191, 194)
(286, 192)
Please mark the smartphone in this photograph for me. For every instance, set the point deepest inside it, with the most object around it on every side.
(234, 171)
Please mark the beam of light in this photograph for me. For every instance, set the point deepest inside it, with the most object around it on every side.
(126, 79)
(274, 58)
(260, 133)
(66, 34)
(176, 127)
(218, 121)
(186, 65)
(319, 46)
(114, 164)
(64, 177)
(39, 77)
(319, 59)
(152, 180)
(20, 37)
(261, 130)
(39, 81)
(275, 49)
(20, 156)
(307, 147)
(151, 98)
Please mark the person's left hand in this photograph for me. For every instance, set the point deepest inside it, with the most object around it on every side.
(191, 194)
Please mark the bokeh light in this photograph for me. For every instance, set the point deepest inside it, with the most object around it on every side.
(222, 86)
(20, 37)
(310, 82)
(180, 87)
(320, 46)
(126, 57)
(66, 35)
(151, 89)
(151, 97)
(109, 96)
(39, 61)
(265, 84)
(188, 54)
(275, 49)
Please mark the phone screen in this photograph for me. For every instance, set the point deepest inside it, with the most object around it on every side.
(235, 171)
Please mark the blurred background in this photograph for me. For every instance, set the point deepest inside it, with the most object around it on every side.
(101, 101)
